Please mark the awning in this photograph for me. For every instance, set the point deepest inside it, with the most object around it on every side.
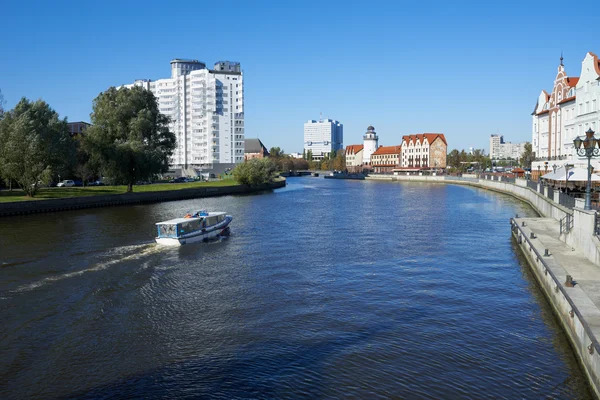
(575, 175)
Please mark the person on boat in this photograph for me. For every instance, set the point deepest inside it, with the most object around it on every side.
(188, 215)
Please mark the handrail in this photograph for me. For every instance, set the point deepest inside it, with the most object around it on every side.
(559, 285)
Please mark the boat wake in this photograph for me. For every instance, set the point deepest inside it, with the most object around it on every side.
(116, 256)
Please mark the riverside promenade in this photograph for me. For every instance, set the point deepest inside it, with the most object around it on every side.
(563, 251)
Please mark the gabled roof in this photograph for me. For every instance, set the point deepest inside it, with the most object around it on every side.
(387, 150)
(596, 62)
(354, 148)
(421, 136)
(254, 146)
(572, 81)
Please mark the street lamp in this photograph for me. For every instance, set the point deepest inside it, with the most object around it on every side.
(539, 173)
(590, 149)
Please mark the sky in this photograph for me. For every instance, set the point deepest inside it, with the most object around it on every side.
(467, 69)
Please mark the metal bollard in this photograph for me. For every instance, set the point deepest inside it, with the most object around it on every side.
(569, 281)
(532, 235)
(546, 253)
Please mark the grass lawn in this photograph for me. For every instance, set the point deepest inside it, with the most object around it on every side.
(67, 192)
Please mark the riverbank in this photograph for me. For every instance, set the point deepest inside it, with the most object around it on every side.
(109, 200)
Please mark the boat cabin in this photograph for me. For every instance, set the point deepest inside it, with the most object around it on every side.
(191, 223)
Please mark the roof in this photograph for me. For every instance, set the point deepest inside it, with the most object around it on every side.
(572, 81)
(420, 137)
(354, 148)
(254, 146)
(596, 62)
(387, 150)
(566, 100)
(180, 220)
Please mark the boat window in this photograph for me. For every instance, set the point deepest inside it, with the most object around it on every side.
(190, 226)
(165, 230)
(211, 221)
(220, 218)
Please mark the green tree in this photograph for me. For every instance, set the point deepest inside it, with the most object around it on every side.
(304, 154)
(1, 104)
(129, 138)
(339, 162)
(276, 152)
(527, 156)
(35, 145)
(309, 156)
(453, 159)
(255, 171)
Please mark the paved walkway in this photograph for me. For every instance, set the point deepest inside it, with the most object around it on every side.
(565, 260)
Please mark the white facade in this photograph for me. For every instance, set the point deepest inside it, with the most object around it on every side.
(567, 112)
(206, 108)
(499, 149)
(322, 137)
(370, 143)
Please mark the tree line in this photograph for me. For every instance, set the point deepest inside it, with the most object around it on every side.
(129, 140)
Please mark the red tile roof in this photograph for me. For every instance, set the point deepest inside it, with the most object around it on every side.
(387, 150)
(572, 81)
(420, 137)
(596, 62)
(565, 100)
(354, 148)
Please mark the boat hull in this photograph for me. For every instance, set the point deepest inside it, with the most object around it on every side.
(198, 236)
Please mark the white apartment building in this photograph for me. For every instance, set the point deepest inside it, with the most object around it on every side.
(322, 137)
(568, 111)
(206, 108)
(499, 149)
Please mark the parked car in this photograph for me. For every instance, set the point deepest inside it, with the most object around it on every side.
(78, 183)
(189, 180)
(96, 183)
(180, 179)
(66, 183)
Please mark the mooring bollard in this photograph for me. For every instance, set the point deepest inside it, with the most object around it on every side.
(569, 281)
(532, 235)
(546, 253)
(523, 223)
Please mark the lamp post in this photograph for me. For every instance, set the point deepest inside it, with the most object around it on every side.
(589, 149)
(539, 173)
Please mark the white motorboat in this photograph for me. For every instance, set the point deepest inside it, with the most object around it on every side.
(194, 227)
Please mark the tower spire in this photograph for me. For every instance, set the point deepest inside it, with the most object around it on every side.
(561, 57)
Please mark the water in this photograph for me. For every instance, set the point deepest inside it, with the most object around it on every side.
(325, 289)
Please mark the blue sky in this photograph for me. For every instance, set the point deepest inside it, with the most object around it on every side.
(464, 68)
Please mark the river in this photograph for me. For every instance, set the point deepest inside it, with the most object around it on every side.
(324, 289)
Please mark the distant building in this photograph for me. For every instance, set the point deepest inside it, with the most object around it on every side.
(77, 128)
(371, 143)
(385, 159)
(499, 149)
(206, 109)
(427, 150)
(296, 155)
(322, 137)
(254, 148)
(354, 157)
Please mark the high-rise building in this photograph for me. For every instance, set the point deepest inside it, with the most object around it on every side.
(495, 142)
(206, 108)
(322, 137)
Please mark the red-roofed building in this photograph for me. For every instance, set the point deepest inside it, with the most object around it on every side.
(354, 157)
(385, 159)
(425, 150)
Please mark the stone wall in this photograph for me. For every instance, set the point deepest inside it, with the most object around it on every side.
(38, 206)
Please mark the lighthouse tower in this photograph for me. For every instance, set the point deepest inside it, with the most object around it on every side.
(371, 144)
